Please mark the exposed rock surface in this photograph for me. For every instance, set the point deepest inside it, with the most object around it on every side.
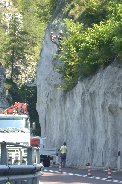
(88, 118)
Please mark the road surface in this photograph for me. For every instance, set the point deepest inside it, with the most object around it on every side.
(78, 176)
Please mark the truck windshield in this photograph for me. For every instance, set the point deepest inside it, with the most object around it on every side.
(10, 124)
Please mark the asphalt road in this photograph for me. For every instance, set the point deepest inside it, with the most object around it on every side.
(77, 176)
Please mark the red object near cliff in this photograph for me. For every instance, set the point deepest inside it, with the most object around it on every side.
(17, 108)
(35, 141)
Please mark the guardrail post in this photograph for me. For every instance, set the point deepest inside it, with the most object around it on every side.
(4, 154)
(29, 156)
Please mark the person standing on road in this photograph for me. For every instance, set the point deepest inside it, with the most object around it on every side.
(63, 151)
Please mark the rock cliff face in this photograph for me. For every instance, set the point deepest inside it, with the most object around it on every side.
(3, 101)
(88, 118)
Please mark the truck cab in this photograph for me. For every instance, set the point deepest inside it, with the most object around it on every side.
(46, 154)
(15, 128)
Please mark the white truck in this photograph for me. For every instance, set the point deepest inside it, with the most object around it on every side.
(46, 154)
(15, 128)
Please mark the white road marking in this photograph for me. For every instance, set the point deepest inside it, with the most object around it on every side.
(56, 171)
(103, 178)
(116, 181)
(84, 175)
(64, 172)
(45, 170)
(97, 178)
(78, 175)
(71, 174)
(91, 177)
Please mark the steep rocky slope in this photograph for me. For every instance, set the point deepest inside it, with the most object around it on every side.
(88, 118)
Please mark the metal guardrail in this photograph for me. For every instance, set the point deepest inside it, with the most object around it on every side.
(19, 174)
(20, 179)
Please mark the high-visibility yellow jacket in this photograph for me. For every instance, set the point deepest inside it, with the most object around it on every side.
(63, 149)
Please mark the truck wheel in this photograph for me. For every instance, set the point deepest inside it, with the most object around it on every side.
(46, 162)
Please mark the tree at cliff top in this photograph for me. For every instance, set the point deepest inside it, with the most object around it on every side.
(93, 39)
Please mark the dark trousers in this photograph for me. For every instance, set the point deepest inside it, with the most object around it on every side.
(63, 159)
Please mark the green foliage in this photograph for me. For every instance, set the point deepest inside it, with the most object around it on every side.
(86, 49)
(13, 91)
(28, 94)
(15, 48)
(20, 48)
(36, 15)
(45, 9)
(94, 12)
(2, 38)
